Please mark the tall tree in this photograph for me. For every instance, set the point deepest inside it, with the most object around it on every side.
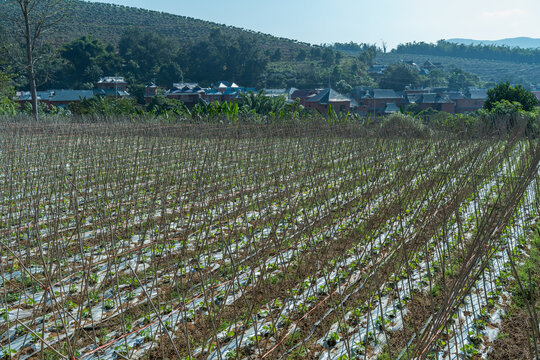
(34, 18)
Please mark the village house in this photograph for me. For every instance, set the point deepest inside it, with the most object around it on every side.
(377, 71)
(60, 98)
(112, 86)
(189, 93)
(428, 65)
(150, 90)
(326, 98)
(376, 101)
(473, 99)
(302, 94)
(437, 102)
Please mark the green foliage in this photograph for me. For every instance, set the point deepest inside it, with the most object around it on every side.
(437, 78)
(7, 107)
(529, 275)
(399, 75)
(258, 103)
(491, 52)
(223, 57)
(343, 87)
(105, 106)
(6, 85)
(168, 74)
(87, 60)
(160, 105)
(404, 125)
(109, 22)
(505, 91)
(145, 53)
(459, 79)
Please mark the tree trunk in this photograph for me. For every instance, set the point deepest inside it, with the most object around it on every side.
(30, 60)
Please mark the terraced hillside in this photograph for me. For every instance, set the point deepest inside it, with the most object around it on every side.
(487, 70)
(216, 242)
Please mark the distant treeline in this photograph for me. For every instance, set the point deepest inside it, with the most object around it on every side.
(487, 52)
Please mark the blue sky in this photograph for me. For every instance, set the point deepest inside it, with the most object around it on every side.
(372, 21)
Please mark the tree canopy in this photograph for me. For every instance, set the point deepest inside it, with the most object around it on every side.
(398, 76)
(459, 79)
(511, 94)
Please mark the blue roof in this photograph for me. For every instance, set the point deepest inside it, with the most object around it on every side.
(59, 95)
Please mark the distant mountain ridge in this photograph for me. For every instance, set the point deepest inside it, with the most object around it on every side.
(522, 42)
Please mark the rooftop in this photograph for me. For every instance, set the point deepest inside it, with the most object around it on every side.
(112, 80)
(327, 96)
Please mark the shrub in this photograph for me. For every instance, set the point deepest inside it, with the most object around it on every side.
(404, 125)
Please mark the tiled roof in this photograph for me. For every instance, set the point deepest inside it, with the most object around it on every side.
(303, 93)
(385, 94)
(391, 108)
(58, 95)
(327, 96)
(71, 95)
(187, 86)
(111, 92)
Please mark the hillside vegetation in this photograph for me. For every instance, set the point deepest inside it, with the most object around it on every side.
(487, 70)
(108, 22)
(522, 42)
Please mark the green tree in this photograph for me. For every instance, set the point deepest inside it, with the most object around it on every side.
(222, 57)
(145, 52)
(343, 87)
(328, 57)
(276, 56)
(367, 56)
(436, 77)
(87, 60)
(168, 74)
(399, 75)
(161, 104)
(459, 79)
(7, 107)
(302, 54)
(505, 91)
(6, 85)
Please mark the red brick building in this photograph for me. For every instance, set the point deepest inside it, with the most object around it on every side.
(377, 101)
(437, 102)
(472, 100)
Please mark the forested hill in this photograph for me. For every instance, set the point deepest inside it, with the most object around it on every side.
(484, 52)
(108, 22)
(521, 42)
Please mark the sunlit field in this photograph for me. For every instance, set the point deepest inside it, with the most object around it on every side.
(124, 241)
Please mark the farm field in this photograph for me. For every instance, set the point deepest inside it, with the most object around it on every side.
(126, 241)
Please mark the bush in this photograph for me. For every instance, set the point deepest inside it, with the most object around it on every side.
(506, 116)
(404, 125)
(105, 106)
(7, 107)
